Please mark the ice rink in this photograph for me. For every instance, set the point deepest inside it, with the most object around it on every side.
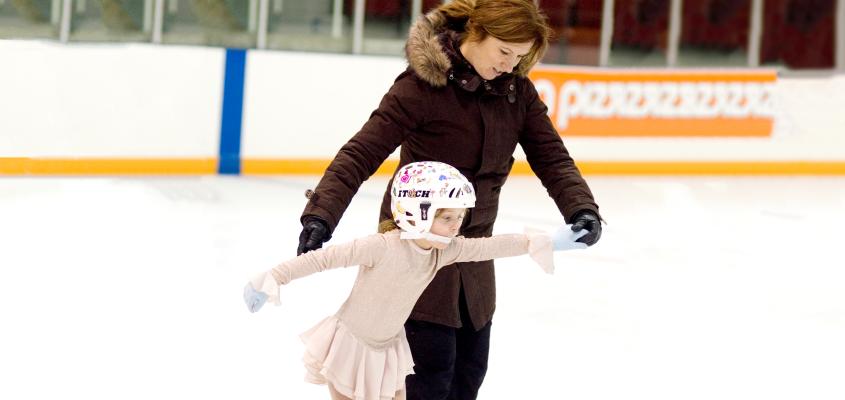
(700, 288)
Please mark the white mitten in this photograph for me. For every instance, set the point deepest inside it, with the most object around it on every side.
(264, 283)
(565, 239)
(254, 299)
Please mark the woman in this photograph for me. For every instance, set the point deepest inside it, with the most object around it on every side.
(464, 100)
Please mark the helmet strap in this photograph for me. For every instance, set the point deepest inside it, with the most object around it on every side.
(425, 235)
(436, 238)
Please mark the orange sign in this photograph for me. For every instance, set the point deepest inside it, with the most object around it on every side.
(607, 102)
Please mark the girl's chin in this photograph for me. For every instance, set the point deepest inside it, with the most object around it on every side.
(439, 246)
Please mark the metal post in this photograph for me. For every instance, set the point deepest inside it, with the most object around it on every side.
(840, 35)
(148, 16)
(337, 18)
(158, 21)
(755, 34)
(173, 6)
(416, 10)
(64, 29)
(81, 5)
(358, 27)
(252, 19)
(55, 12)
(278, 6)
(674, 32)
(263, 17)
(606, 32)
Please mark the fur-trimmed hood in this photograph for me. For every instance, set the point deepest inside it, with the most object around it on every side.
(424, 52)
(430, 51)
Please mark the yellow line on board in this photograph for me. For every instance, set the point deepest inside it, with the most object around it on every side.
(108, 166)
(208, 166)
(300, 166)
(710, 167)
(521, 167)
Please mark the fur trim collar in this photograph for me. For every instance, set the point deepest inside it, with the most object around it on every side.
(433, 55)
(424, 52)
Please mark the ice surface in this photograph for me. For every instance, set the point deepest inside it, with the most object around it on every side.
(701, 288)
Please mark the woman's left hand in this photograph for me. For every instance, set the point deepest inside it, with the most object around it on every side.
(589, 221)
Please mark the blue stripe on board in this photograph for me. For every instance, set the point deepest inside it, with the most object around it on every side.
(232, 118)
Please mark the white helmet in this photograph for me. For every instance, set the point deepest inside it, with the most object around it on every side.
(420, 189)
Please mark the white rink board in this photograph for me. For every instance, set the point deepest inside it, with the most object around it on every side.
(135, 100)
(128, 100)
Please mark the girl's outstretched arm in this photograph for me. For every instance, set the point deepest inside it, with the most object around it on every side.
(537, 244)
(363, 251)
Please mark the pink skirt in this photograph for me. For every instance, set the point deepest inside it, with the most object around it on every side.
(356, 370)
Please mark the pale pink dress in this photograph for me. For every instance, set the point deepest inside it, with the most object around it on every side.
(362, 350)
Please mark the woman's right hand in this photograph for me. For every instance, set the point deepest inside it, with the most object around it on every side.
(254, 299)
(315, 231)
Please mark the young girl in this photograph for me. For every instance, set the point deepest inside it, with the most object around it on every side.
(361, 351)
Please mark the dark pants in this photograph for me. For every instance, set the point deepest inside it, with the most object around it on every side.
(450, 363)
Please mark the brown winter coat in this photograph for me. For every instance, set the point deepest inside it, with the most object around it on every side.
(439, 109)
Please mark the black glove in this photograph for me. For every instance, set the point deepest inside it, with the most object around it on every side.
(315, 231)
(588, 220)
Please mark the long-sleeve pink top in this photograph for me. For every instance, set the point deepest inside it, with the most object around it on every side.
(393, 274)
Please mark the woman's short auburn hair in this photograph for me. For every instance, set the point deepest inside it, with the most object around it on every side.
(513, 21)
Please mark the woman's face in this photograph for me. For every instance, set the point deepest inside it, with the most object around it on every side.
(492, 57)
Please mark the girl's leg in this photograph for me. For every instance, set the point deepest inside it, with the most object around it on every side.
(400, 395)
(335, 394)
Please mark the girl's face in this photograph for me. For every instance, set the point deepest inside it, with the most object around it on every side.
(492, 57)
(447, 223)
